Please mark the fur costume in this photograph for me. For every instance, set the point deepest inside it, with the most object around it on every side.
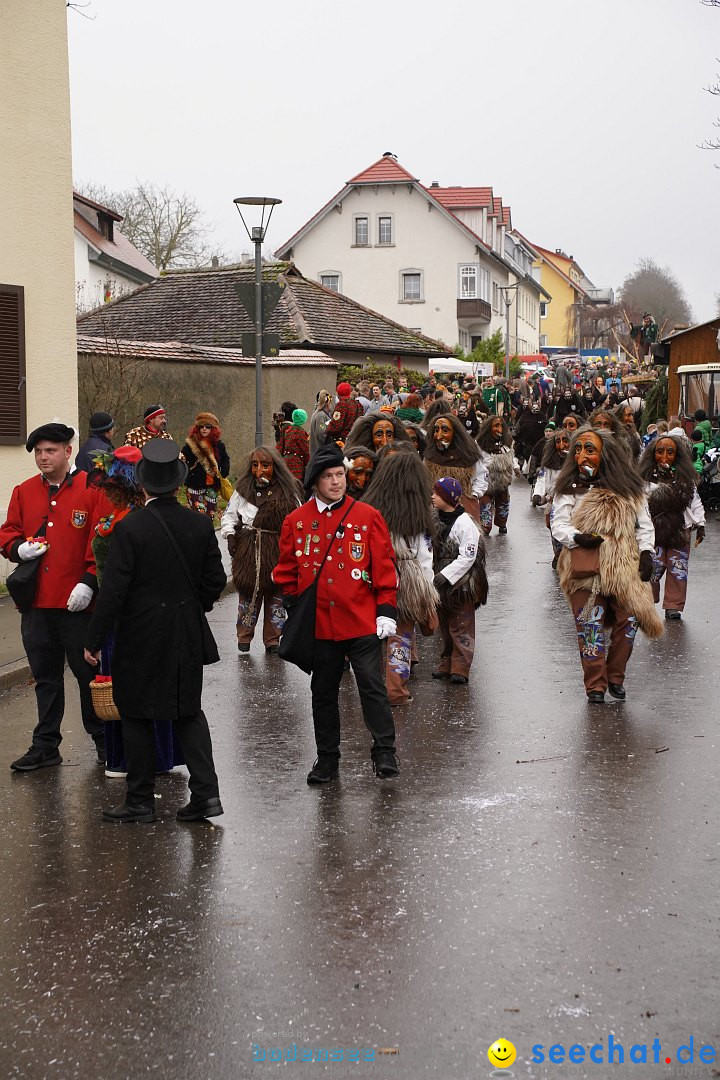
(500, 471)
(401, 492)
(202, 452)
(614, 517)
(256, 551)
(667, 504)
(472, 588)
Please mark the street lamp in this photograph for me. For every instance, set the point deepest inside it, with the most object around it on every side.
(507, 291)
(257, 235)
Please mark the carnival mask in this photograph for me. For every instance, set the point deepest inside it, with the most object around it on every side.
(262, 470)
(665, 455)
(412, 435)
(496, 430)
(443, 434)
(562, 443)
(588, 454)
(360, 471)
(570, 423)
(383, 433)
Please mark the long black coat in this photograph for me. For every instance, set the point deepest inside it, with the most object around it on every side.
(147, 600)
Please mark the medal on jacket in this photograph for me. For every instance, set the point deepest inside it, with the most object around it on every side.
(307, 544)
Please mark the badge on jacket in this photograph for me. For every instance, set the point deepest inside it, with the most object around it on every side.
(357, 552)
(79, 518)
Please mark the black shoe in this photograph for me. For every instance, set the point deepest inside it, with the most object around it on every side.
(242, 647)
(324, 770)
(441, 674)
(617, 690)
(144, 814)
(461, 680)
(555, 562)
(272, 648)
(502, 530)
(596, 697)
(672, 614)
(196, 811)
(385, 763)
(36, 758)
(101, 753)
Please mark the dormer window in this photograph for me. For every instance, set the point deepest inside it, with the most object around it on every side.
(105, 226)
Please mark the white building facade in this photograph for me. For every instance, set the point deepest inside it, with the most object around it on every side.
(418, 255)
(107, 265)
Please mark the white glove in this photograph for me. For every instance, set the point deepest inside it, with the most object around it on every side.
(32, 549)
(79, 598)
(385, 626)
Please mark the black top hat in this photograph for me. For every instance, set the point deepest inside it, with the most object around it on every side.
(161, 469)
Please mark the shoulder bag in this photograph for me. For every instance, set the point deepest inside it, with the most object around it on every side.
(297, 644)
(22, 582)
(210, 654)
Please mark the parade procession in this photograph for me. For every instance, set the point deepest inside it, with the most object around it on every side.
(359, 534)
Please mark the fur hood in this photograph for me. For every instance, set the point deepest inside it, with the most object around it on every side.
(614, 517)
(203, 454)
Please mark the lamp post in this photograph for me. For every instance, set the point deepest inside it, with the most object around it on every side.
(257, 235)
(507, 291)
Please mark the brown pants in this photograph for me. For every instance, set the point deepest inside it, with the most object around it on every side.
(673, 564)
(397, 662)
(273, 618)
(457, 630)
(603, 663)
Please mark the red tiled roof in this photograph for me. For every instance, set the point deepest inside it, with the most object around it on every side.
(77, 197)
(544, 254)
(462, 198)
(205, 308)
(385, 170)
(118, 248)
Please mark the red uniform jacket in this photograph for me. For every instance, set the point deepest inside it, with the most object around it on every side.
(358, 581)
(72, 513)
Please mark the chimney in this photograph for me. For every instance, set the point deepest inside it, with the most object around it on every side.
(389, 153)
(215, 262)
(435, 183)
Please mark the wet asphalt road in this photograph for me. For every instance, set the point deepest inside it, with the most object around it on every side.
(543, 871)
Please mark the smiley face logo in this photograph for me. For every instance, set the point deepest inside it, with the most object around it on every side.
(502, 1053)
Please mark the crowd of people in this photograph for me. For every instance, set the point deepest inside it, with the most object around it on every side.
(363, 532)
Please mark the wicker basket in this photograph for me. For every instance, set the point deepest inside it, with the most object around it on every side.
(102, 699)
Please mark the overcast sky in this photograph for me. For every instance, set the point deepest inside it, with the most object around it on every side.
(585, 118)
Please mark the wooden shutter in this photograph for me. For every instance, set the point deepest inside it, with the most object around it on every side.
(13, 418)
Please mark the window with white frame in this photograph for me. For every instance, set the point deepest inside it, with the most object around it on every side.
(411, 286)
(543, 309)
(331, 280)
(385, 229)
(484, 284)
(361, 230)
(496, 297)
(468, 282)
(543, 340)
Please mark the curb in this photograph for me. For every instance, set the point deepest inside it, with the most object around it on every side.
(18, 672)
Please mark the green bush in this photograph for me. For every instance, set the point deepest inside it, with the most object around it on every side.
(375, 373)
(656, 403)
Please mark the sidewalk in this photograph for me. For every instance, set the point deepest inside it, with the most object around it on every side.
(14, 667)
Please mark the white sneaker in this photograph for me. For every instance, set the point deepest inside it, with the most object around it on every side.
(115, 773)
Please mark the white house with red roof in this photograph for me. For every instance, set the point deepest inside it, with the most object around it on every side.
(436, 259)
(107, 265)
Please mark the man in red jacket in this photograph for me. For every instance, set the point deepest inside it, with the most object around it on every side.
(51, 517)
(356, 598)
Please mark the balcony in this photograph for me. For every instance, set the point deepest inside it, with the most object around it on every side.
(601, 296)
(479, 310)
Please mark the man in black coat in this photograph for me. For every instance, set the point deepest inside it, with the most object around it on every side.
(155, 607)
(102, 429)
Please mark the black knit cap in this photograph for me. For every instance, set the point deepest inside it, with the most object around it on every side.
(100, 422)
(325, 457)
(54, 432)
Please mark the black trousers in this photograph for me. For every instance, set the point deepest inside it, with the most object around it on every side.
(192, 733)
(365, 655)
(50, 636)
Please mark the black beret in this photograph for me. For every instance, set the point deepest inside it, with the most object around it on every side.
(325, 457)
(54, 432)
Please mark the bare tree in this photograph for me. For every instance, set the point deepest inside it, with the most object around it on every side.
(168, 228)
(655, 289)
(110, 379)
(714, 90)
